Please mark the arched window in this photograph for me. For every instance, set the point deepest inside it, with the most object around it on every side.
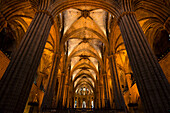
(75, 104)
(92, 104)
(84, 104)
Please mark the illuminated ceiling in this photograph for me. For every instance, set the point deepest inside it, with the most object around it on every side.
(85, 34)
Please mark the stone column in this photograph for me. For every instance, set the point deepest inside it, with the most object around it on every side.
(49, 93)
(16, 83)
(72, 102)
(65, 95)
(105, 90)
(153, 86)
(72, 96)
(69, 95)
(110, 97)
(119, 100)
(58, 91)
(60, 96)
(79, 102)
(68, 87)
(97, 95)
(100, 96)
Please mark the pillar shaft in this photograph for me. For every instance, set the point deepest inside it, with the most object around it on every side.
(100, 98)
(50, 92)
(61, 91)
(16, 83)
(105, 89)
(152, 84)
(119, 100)
(65, 94)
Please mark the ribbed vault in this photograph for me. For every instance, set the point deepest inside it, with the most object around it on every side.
(85, 35)
(85, 49)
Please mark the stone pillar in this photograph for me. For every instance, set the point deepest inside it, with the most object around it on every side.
(97, 94)
(60, 96)
(100, 96)
(69, 95)
(96, 100)
(58, 91)
(79, 102)
(65, 94)
(105, 90)
(68, 87)
(72, 102)
(153, 86)
(16, 83)
(119, 100)
(110, 97)
(49, 93)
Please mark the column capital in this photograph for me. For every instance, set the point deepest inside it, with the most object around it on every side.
(166, 23)
(67, 85)
(111, 56)
(48, 13)
(125, 13)
(63, 74)
(100, 85)
(128, 73)
(109, 77)
(104, 74)
(57, 54)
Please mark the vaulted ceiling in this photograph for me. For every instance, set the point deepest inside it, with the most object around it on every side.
(88, 33)
(85, 36)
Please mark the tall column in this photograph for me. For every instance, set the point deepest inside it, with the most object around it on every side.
(100, 96)
(95, 100)
(65, 95)
(72, 101)
(58, 91)
(105, 90)
(72, 96)
(67, 90)
(118, 97)
(107, 87)
(153, 86)
(60, 96)
(16, 83)
(97, 97)
(69, 97)
(49, 93)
